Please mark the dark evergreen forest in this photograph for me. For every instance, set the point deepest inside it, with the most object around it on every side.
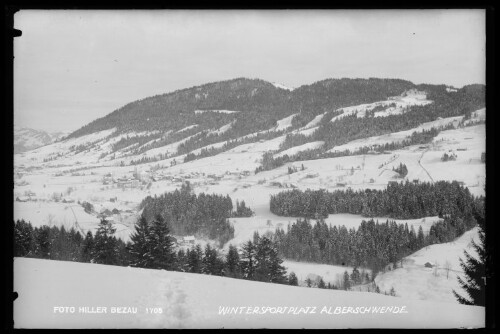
(404, 200)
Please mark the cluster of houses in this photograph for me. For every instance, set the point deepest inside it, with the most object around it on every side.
(135, 178)
(29, 196)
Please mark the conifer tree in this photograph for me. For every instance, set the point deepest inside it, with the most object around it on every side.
(355, 276)
(474, 282)
(277, 270)
(140, 248)
(208, 261)
(248, 260)
(105, 245)
(23, 238)
(87, 248)
(162, 254)
(182, 261)
(347, 283)
(292, 279)
(233, 262)
(268, 264)
(195, 257)
(42, 247)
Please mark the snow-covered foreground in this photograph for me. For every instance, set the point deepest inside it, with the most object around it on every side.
(415, 281)
(183, 300)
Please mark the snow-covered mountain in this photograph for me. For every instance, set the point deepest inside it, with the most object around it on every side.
(26, 139)
(215, 136)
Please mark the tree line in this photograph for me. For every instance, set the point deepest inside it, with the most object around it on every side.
(57, 243)
(151, 246)
(404, 200)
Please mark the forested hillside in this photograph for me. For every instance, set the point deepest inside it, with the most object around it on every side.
(193, 118)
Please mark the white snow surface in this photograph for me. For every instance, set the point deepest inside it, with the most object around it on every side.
(284, 123)
(296, 149)
(394, 105)
(415, 281)
(278, 85)
(194, 301)
(222, 129)
(395, 137)
(188, 128)
(315, 121)
(216, 110)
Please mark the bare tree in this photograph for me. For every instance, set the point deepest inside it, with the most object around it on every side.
(436, 264)
(447, 267)
(50, 219)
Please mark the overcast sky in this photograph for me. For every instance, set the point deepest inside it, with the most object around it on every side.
(72, 67)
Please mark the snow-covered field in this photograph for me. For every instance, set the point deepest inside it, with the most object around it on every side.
(162, 299)
(315, 121)
(415, 281)
(393, 106)
(284, 123)
(395, 137)
(216, 110)
(294, 150)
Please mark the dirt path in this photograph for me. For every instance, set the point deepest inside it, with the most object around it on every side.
(425, 170)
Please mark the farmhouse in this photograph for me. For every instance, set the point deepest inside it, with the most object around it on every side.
(189, 240)
(67, 200)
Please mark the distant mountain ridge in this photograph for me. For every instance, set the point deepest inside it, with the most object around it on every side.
(26, 139)
(229, 113)
(261, 103)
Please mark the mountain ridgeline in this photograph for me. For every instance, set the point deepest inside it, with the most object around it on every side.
(255, 105)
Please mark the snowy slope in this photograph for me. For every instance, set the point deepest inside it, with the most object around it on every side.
(222, 129)
(315, 121)
(415, 281)
(284, 123)
(196, 301)
(216, 110)
(296, 149)
(278, 85)
(395, 137)
(392, 106)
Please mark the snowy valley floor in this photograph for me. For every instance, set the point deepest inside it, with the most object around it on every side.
(194, 300)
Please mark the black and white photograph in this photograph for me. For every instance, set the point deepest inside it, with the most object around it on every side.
(200, 169)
